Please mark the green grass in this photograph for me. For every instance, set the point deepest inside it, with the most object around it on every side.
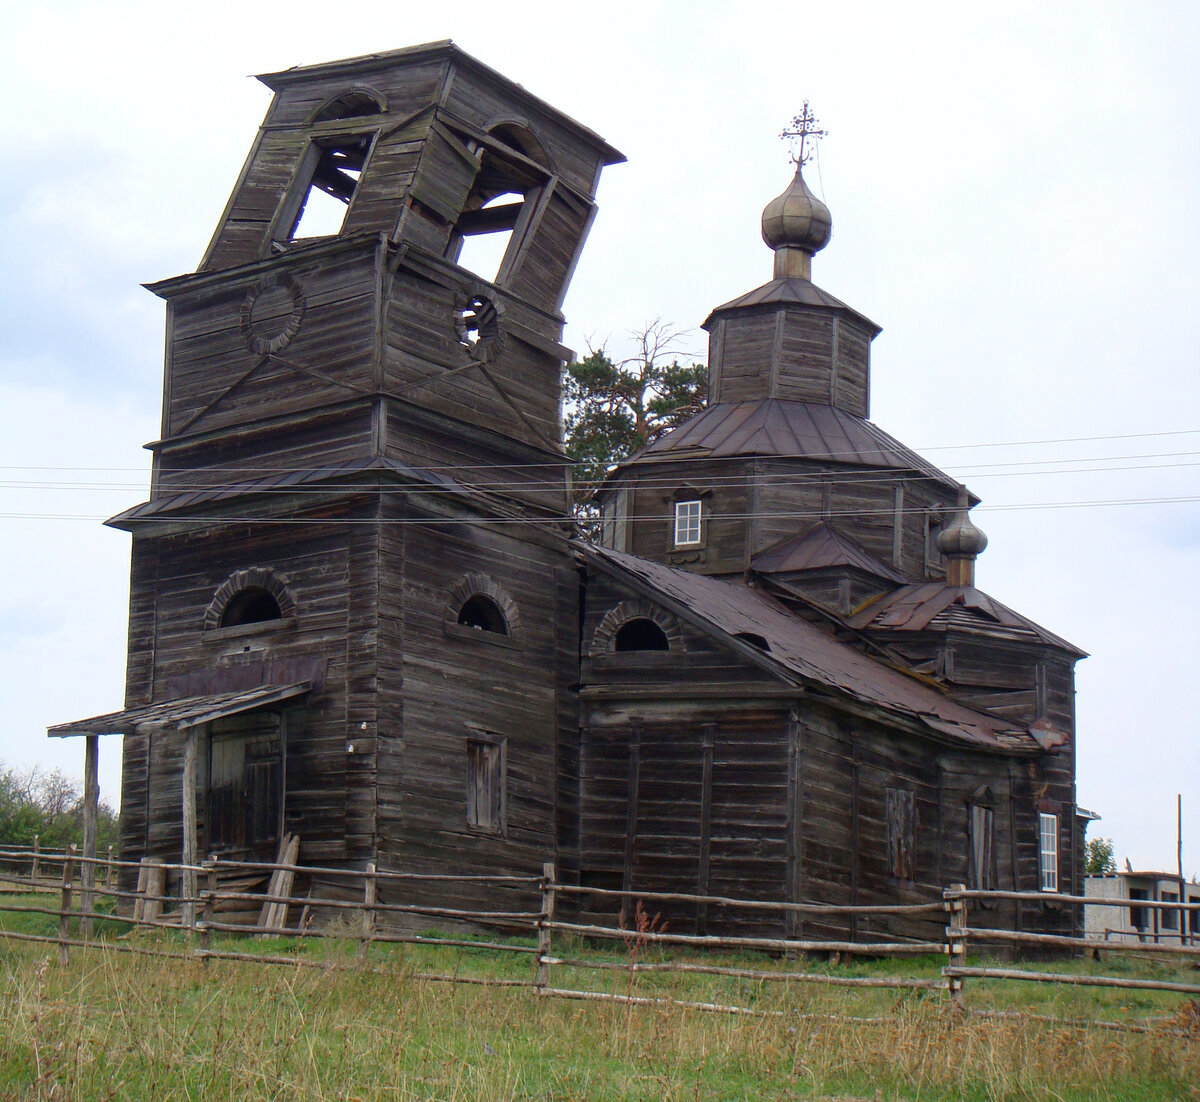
(114, 1025)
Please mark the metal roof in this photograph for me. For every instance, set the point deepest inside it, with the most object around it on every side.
(938, 606)
(783, 429)
(279, 482)
(189, 711)
(818, 548)
(801, 649)
(793, 292)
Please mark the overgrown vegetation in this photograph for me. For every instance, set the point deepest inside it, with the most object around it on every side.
(137, 1027)
(1098, 857)
(49, 805)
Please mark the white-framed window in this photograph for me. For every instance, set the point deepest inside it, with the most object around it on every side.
(1048, 851)
(687, 523)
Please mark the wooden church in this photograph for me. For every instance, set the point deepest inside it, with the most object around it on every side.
(361, 614)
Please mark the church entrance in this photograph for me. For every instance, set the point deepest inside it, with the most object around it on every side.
(245, 790)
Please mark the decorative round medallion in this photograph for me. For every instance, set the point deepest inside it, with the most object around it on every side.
(477, 325)
(272, 313)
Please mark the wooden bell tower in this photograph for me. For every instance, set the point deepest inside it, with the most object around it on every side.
(359, 491)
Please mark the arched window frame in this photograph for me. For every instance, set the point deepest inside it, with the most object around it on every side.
(239, 582)
(482, 585)
(604, 638)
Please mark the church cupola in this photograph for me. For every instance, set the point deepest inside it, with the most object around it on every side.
(789, 340)
(796, 224)
(962, 543)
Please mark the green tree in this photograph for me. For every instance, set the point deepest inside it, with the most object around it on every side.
(48, 804)
(615, 408)
(1098, 857)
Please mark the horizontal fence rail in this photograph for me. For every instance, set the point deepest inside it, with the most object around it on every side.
(357, 914)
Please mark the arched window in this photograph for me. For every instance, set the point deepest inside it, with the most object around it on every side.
(640, 634)
(484, 614)
(255, 596)
(754, 639)
(353, 104)
(251, 606)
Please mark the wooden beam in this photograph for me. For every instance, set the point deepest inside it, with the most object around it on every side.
(188, 857)
(91, 805)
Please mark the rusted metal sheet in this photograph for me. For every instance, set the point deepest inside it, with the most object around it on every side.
(934, 605)
(800, 650)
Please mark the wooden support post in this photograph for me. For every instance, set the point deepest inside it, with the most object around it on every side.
(91, 805)
(187, 888)
(64, 913)
(210, 902)
(156, 889)
(35, 871)
(956, 938)
(544, 935)
(108, 869)
(369, 918)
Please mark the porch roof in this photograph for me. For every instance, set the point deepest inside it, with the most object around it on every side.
(188, 711)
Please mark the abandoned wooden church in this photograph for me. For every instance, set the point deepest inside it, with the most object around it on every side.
(360, 612)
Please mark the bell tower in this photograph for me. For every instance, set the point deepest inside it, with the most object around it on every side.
(359, 500)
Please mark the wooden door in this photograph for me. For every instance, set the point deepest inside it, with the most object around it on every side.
(245, 788)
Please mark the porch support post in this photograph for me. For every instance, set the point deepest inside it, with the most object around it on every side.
(91, 804)
(188, 881)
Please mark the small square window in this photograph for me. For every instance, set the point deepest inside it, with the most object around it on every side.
(485, 786)
(1048, 851)
(687, 523)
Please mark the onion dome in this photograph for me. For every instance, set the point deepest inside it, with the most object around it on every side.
(796, 224)
(961, 542)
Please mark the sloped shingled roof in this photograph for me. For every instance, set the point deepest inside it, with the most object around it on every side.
(804, 651)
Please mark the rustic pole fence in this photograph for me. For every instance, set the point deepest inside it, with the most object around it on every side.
(956, 946)
(64, 914)
(370, 918)
(544, 926)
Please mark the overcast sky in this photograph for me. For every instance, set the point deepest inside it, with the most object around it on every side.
(1014, 191)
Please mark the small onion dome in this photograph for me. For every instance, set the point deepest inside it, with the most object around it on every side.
(961, 541)
(796, 224)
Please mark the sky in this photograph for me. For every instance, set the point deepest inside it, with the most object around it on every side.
(1015, 193)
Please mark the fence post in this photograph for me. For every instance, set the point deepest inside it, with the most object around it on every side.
(210, 902)
(956, 938)
(33, 872)
(368, 933)
(544, 933)
(108, 869)
(64, 913)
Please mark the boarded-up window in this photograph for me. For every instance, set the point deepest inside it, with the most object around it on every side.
(485, 785)
(981, 854)
(902, 824)
(1048, 851)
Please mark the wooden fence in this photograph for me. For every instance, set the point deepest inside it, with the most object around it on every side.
(369, 920)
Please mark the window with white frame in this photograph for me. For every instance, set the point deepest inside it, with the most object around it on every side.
(687, 523)
(1048, 851)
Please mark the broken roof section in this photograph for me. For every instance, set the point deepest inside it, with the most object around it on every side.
(937, 606)
(182, 713)
(802, 652)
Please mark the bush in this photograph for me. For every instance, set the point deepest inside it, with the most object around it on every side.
(48, 804)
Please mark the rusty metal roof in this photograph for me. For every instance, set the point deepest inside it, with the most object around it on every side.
(937, 606)
(784, 429)
(185, 712)
(819, 548)
(799, 650)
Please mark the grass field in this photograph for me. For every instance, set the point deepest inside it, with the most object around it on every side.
(120, 1026)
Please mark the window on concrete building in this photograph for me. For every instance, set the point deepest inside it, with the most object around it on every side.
(486, 785)
(1048, 851)
(1169, 919)
(1137, 915)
